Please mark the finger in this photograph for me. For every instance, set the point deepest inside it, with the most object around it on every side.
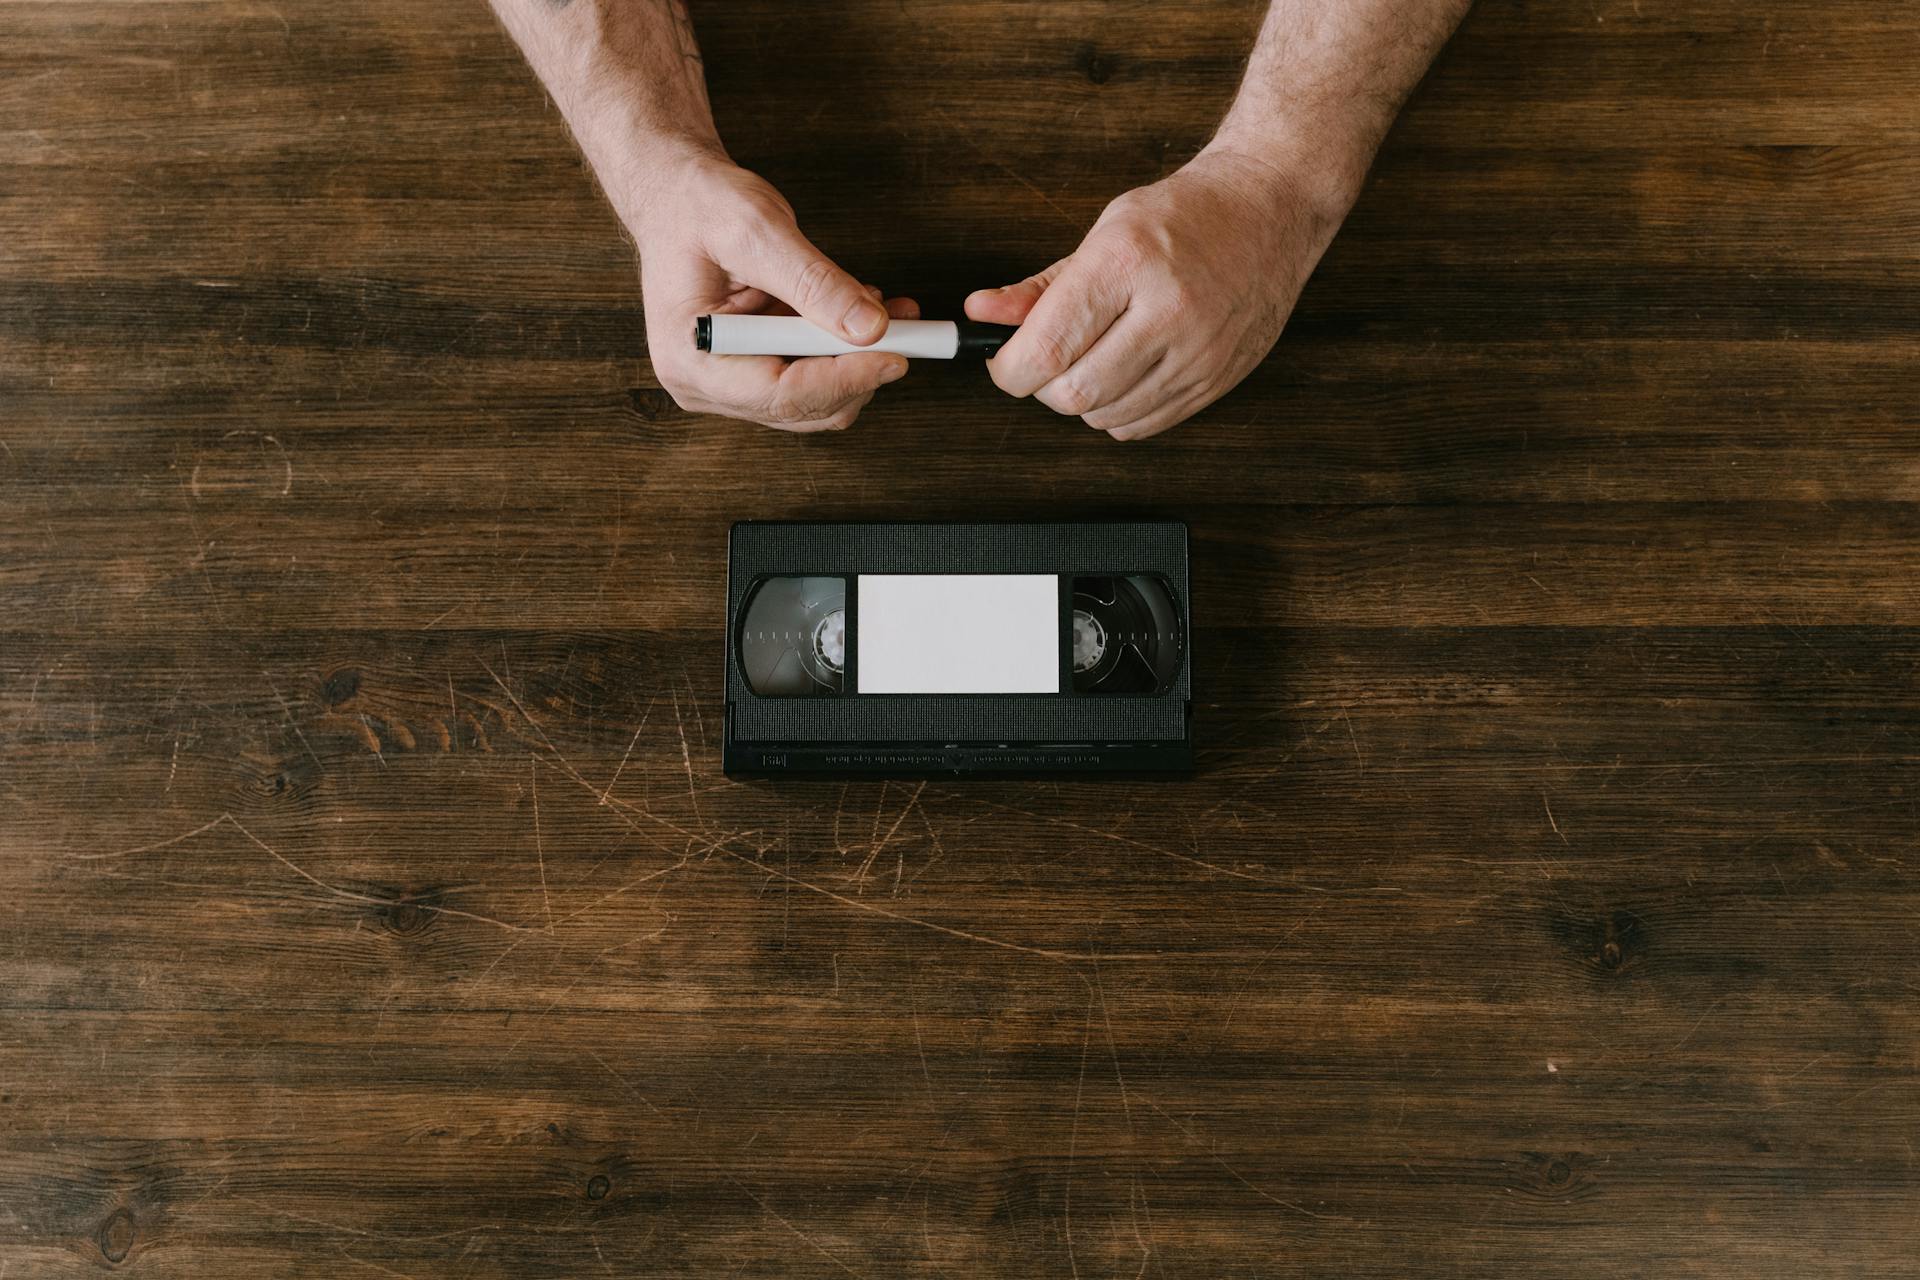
(819, 387)
(1011, 303)
(1069, 318)
(773, 391)
(839, 420)
(897, 308)
(1170, 414)
(1110, 370)
(1160, 384)
(787, 265)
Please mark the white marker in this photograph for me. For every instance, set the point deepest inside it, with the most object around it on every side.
(733, 335)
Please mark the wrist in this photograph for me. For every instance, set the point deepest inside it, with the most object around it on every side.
(655, 171)
(1321, 177)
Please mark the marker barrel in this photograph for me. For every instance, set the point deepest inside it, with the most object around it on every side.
(744, 335)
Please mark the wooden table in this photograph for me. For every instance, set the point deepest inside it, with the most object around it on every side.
(373, 903)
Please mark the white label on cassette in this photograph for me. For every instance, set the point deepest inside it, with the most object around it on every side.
(957, 633)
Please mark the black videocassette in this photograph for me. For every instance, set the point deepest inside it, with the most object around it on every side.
(917, 649)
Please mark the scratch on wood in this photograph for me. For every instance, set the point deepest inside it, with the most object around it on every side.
(1073, 1143)
(626, 1083)
(651, 702)
(693, 700)
(345, 894)
(951, 932)
(967, 135)
(811, 1243)
(1267, 1195)
(539, 844)
(1696, 1025)
(393, 1236)
(288, 712)
(686, 757)
(1358, 755)
(372, 1266)
(877, 842)
(1116, 837)
(1113, 1050)
(372, 740)
(1550, 822)
(444, 615)
(913, 1002)
(721, 845)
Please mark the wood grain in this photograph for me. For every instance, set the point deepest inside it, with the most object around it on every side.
(1545, 904)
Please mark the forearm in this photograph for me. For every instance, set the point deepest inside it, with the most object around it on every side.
(627, 76)
(1323, 84)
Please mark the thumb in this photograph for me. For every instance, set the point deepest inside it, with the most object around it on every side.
(1011, 303)
(794, 271)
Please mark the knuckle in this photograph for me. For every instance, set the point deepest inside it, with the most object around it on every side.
(1048, 353)
(745, 230)
(781, 411)
(680, 389)
(814, 284)
(1127, 253)
(1074, 397)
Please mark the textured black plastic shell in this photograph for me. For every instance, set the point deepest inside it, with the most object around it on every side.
(1150, 730)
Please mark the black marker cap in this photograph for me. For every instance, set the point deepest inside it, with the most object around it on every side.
(703, 333)
(983, 340)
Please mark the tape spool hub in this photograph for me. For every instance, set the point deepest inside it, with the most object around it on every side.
(793, 637)
(1126, 634)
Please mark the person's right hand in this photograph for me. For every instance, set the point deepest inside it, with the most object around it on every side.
(715, 238)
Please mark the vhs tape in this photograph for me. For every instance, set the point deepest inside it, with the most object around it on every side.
(922, 649)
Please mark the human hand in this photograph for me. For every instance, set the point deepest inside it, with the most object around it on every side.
(716, 238)
(1173, 297)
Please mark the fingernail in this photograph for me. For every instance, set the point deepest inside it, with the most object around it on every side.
(863, 318)
(894, 371)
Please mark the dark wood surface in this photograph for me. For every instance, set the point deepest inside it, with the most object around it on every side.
(371, 902)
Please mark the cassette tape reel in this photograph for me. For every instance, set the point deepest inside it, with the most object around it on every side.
(793, 639)
(1126, 635)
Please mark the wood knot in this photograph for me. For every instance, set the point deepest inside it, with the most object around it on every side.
(287, 778)
(598, 1186)
(1605, 950)
(340, 687)
(1557, 1177)
(1619, 941)
(410, 913)
(1097, 67)
(115, 1236)
(651, 404)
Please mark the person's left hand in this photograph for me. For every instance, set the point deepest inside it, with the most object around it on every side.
(1173, 297)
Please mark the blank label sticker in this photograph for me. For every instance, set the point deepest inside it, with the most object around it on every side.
(957, 633)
